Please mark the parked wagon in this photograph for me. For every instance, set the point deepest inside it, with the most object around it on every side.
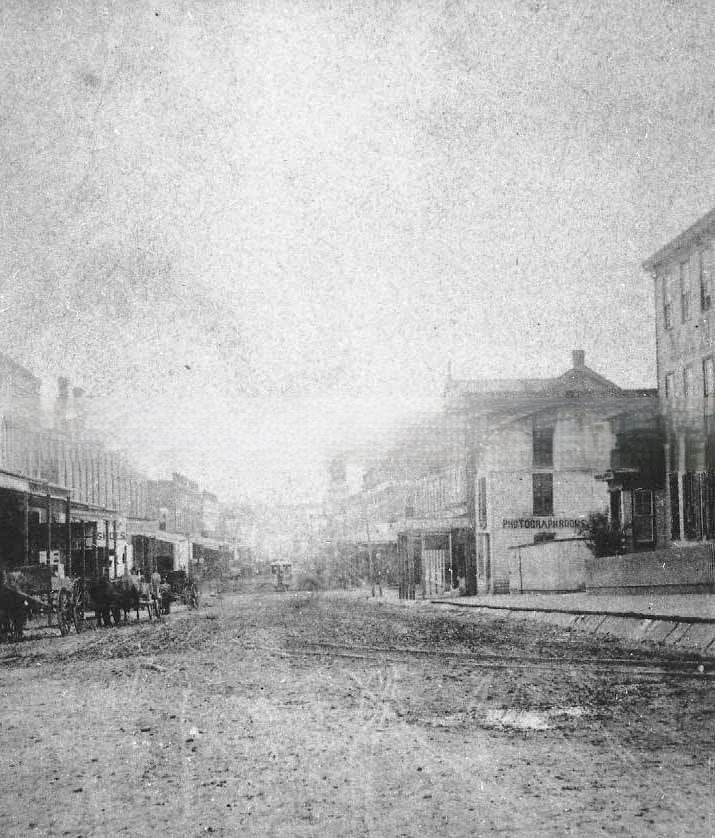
(183, 588)
(60, 598)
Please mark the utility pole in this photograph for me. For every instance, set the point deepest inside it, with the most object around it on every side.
(49, 526)
(69, 536)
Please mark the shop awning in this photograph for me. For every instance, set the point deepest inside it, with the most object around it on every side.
(434, 525)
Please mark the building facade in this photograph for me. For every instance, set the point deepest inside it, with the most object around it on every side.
(682, 273)
(525, 461)
(543, 451)
(176, 504)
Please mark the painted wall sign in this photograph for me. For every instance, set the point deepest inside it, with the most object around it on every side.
(540, 523)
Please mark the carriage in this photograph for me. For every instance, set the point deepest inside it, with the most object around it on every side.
(183, 588)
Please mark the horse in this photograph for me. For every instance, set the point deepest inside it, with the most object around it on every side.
(106, 599)
(145, 596)
(15, 607)
(129, 589)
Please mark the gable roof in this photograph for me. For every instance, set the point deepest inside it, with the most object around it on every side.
(579, 379)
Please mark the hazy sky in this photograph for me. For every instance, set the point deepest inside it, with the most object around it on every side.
(257, 230)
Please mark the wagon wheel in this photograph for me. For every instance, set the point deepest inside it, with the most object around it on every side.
(78, 606)
(65, 611)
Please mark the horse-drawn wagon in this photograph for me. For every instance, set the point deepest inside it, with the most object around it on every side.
(182, 588)
(67, 603)
(45, 591)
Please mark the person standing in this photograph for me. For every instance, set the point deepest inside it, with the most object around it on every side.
(155, 584)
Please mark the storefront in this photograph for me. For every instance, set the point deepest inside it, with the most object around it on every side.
(99, 542)
(158, 550)
(33, 522)
(435, 558)
(211, 558)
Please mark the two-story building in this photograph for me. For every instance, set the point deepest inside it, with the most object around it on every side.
(544, 457)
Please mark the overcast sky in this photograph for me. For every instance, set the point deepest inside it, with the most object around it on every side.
(257, 231)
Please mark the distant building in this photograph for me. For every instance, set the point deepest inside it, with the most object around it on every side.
(176, 503)
(682, 273)
(19, 392)
(209, 514)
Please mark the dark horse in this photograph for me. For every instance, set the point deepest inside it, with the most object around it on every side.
(105, 600)
(129, 590)
(115, 597)
(15, 607)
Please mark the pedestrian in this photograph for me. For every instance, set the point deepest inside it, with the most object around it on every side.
(155, 583)
(377, 574)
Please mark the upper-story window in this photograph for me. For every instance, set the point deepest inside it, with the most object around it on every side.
(667, 301)
(705, 270)
(709, 376)
(669, 385)
(543, 441)
(684, 291)
(688, 381)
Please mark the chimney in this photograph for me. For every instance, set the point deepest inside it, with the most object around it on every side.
(78, 405)
(578, 359)
(61, 404)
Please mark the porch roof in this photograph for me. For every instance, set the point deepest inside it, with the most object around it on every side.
(434, 525)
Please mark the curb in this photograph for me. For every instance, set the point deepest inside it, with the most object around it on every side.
(692, 634)
(631, 615)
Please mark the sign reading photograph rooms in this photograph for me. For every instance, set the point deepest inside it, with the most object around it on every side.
(540, 523)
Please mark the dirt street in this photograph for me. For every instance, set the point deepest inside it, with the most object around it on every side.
(286, 715)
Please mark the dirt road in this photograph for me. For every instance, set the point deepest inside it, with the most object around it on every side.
(291, 716)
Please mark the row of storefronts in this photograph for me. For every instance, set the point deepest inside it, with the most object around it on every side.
(68, 501)
(40, 523)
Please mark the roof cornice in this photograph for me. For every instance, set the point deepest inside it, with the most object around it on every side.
(701, 226)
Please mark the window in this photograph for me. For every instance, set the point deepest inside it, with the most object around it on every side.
(543, 490)
(543, 441)
(692, 506)
(705, 268)
(483, 502)
(615, 506)
(669, 385)
(684, 291)
(674, 507)
(709, 377)
(643, 516)
(667, 301)
(688, 378)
